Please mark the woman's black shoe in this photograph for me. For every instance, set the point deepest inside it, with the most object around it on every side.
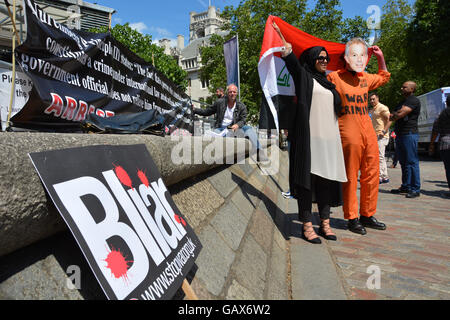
(325, 230)
(311, 234)
(328, 237)
(355, 226)
(314, 241)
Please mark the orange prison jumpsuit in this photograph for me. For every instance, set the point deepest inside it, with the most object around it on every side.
(359, 140)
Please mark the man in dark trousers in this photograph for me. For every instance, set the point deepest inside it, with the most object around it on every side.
(406, 116)
(232, 115)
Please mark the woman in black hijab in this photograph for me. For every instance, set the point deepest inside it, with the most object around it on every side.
(317, 167)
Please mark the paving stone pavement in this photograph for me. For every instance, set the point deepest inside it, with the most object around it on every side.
(411, 257)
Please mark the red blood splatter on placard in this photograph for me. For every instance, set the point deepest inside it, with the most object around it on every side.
(143, 178)
(180, 220)
(123, 176)
(117, 264)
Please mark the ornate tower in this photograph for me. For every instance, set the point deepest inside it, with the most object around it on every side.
(204, 24)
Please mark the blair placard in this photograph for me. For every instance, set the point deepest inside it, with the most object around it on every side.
(114, 201)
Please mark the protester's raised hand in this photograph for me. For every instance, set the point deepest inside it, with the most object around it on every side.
(379, 54)
(377, 51)
(287, 46)
(277, 29)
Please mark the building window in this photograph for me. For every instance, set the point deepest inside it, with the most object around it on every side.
(190, 63)
(205, 84)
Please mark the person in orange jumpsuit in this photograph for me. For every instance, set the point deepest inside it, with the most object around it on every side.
(358, 137)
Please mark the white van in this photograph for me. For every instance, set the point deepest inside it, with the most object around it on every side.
(431, 103)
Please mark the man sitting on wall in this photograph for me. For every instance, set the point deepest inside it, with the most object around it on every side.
(232, 115)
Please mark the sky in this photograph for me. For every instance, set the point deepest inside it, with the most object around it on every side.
(168, 18)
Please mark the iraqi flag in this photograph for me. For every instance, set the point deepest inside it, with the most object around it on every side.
(276, 82)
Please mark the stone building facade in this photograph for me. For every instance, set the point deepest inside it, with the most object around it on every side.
(201, 26)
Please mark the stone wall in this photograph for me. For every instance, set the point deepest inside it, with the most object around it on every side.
(241, 224)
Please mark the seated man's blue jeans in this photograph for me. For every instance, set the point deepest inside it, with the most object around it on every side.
(409, 160)
(245, 131)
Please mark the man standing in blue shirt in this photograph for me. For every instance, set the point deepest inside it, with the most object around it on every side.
(406, 116)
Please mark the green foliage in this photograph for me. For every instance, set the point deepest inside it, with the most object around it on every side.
(324, 21)
(415, 41)
(429, 43)
(142, 46)
(213, 61)
(354, 27)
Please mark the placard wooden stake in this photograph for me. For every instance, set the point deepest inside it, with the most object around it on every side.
(188, 291)
(13, 20)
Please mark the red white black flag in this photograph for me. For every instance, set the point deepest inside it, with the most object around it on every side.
(276, 82)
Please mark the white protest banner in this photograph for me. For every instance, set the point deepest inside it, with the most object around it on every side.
(23, 85)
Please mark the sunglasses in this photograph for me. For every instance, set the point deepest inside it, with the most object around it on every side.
(322, 58)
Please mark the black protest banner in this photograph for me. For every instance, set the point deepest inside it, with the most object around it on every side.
(115, 203)
(77, 73)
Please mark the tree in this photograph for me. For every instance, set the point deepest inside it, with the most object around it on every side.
(142, 46)
(324, 21)
(415, 42)
(429, 43)
(213, 61)
(354, 27)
